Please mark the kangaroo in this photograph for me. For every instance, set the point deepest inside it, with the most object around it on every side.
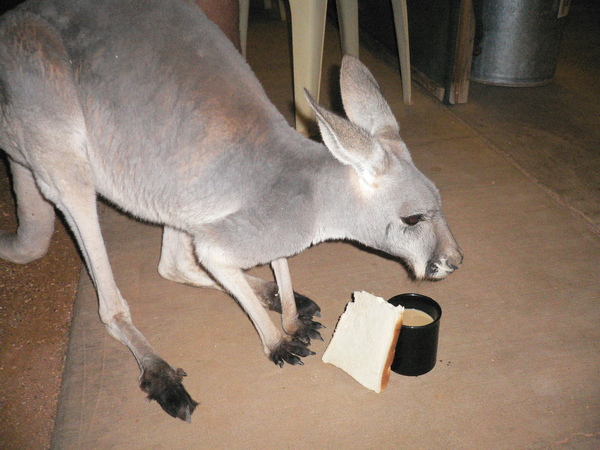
(147, 104)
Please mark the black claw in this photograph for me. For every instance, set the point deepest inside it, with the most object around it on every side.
(314, 334)
(298, 348)
(293, 360)
(277, 360)
(163, 383)
(316, 325)
(305, 340)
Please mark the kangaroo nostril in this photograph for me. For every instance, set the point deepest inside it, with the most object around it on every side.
(456, 261)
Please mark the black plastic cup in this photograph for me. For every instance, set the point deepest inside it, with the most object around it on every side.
(416, 350)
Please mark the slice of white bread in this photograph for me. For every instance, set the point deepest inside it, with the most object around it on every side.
(364, 341)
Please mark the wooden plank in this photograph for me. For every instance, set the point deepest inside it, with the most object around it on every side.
(431, 86)
(461, 72)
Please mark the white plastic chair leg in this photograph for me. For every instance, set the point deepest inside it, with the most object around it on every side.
(308, 33)
(244, 11)
(348, 21)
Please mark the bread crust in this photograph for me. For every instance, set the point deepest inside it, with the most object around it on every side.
(392, 352)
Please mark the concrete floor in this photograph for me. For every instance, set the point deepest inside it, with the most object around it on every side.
(519, 357)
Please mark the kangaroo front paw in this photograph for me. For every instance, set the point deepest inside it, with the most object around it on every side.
(163, 383)
(307, 330)
(290, 350)
(306, 307)
(269, 296)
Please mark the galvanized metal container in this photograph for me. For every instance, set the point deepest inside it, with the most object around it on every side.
(520, 41)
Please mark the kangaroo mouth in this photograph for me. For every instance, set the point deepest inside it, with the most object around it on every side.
(433, 270)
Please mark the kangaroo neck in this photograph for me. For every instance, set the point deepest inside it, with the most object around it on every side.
(330, 208)
(335, 199)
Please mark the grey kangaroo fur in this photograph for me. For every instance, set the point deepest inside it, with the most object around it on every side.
(147, 104)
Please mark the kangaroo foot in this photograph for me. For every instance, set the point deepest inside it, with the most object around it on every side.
(269, 296)
(306, 307)
(307, 329)
(163, 383)
(290, 350)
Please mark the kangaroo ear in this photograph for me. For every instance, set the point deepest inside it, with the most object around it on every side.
(350, 144)
(363, 102)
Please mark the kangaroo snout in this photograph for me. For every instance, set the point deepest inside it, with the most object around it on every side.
(443, 265)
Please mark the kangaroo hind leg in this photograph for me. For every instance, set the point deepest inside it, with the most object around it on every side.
(36, 220)
(178, 262)
(35, 215)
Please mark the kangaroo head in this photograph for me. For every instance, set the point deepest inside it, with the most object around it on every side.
(398, 209)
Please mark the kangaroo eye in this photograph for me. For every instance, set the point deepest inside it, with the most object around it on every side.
(412, 220)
